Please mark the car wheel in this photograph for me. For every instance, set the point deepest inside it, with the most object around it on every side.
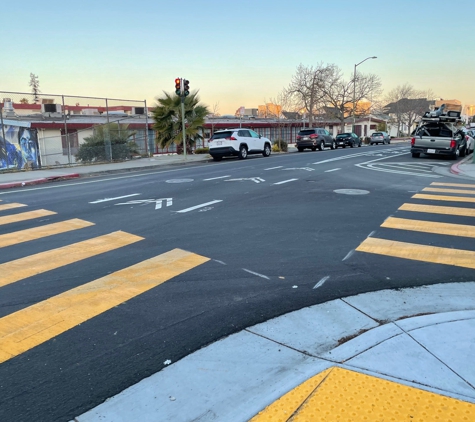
(217, 158)
(266, 152)
(359, 145)
(371, 143)
(456, 154)
(242, 152)
(352, 145)
(384, 142)
(344, 146)
(321, 147)
(416, 155)
(463, 153)
(314, 148)
(333, 145)
(300, 149)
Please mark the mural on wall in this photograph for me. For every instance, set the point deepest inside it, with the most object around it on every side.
(19, 149)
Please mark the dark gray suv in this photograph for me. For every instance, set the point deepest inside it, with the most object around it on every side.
(313, 139)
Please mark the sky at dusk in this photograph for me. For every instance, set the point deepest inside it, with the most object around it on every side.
(236, 53)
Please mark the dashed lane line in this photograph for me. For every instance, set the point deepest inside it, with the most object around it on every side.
(254, 273)
(285, 181)
(113, 199)
(200, 206)
(216, 178)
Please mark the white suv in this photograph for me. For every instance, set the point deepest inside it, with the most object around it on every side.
(238, 142)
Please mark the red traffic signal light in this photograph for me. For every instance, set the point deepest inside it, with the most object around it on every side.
(186, 87)
(178, 86)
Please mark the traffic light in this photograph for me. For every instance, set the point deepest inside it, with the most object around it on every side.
(186, 87)
(178, 86)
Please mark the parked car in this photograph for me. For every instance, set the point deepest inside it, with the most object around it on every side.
(238, 142)
(347, 139)
(380, 138)
(313, 139)
(470, 138)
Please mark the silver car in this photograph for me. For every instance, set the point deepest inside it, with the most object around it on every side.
(380, 138)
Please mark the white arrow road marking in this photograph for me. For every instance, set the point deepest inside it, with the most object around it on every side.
(320, 283)
(285, 181)
(300, 168)
(113, 199)
(259, 275)
(200, 206)
(214, 178)
(157, 202)
(252, 179)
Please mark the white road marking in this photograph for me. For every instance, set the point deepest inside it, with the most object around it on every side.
(200, 206)
(273, 168)
(219, 262)
(285, 181)
(371, 234)
(158, 202)
(259, 275)
(113, 199)
(328, 171)
(300, 168)
(341, 158)
(252, 179)
(214, 178)
(348, 255)
(320, 283)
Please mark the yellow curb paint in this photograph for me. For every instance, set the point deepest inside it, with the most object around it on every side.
(351, 396)
(32, 326)
(45, 261)
(460, 185)
(429, 227)
(42, 231)
(283, 409)
(415, 252)
(435, 209)
(30, 215)
(443, 198)
(463, 191)
(11, 206)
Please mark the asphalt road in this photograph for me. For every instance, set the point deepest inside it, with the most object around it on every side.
(277, 234)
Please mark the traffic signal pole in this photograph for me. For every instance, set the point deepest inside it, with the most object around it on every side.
(182, 88)
(183, 127)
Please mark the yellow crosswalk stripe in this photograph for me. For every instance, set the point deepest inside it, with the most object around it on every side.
(442, 190)
(415, 252)
(38, 323)
(11, 206)
(34, 233)
(29, 215)
(460, 185)
(429, 227)
(443, 198)
(45, 261)
(435, 209)
(339, 394)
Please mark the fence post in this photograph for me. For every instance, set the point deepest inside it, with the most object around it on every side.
(107, 143)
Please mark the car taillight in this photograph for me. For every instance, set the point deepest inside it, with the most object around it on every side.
(413, 141)
(453, 143)
(298, 137)
(466, 137)
(231, 138)
(314, 135)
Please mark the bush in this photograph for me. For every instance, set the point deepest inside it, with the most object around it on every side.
(281, 145)
(201, 150)
(366, 140)
(275, 148)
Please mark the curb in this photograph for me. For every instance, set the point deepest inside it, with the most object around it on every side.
(454, 169)
(38, 181)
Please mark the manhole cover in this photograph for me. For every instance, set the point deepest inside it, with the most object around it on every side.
(352, 191)
(179, 180)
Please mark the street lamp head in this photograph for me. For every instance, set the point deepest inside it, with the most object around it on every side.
(374, 57)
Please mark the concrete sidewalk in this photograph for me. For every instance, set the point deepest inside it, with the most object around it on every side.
(399, 355)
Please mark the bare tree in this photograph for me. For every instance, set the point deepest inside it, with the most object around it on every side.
(306, 89)
(35, 87)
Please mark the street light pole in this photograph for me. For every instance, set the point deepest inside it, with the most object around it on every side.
(354, 89)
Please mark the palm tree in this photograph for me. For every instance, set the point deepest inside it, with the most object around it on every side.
(168, 122)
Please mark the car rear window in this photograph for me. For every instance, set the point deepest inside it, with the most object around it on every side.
(343, 135)
(307, 132)
(222, 135)
(377, 134)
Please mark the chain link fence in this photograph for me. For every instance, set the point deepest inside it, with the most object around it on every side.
(52, 130)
